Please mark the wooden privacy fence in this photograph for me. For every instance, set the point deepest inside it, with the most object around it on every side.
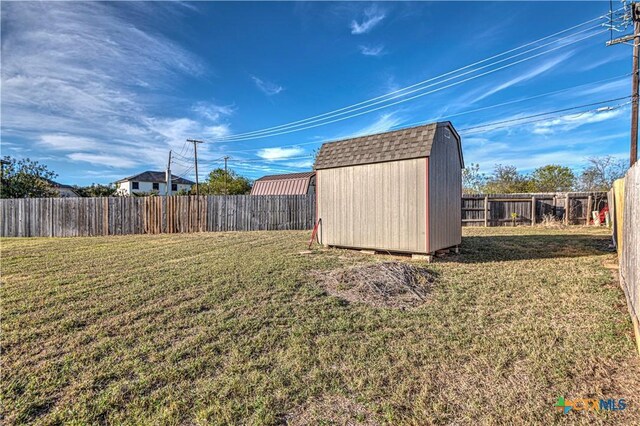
(497, 209)
(625, 195)
(67, 217)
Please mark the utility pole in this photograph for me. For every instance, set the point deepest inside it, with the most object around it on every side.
(634, 86)
(226, 157)
(195, 143)
(168, 176)
(635, 38)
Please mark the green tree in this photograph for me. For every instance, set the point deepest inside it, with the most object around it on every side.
(601, 172)
(505, 180)
(220, 182)
(96, 190)
(552, 178)
(25, 178)
(472, 180)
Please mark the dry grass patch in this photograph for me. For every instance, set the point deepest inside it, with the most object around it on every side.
(383, 285)
(332, 410)
(229, 328)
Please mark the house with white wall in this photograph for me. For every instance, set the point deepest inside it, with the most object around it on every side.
(152, 182)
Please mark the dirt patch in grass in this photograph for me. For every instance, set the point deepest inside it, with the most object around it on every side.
(332, 410)
(387, 285)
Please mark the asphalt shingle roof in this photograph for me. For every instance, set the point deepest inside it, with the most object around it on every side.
(158, 177)
(412, 142)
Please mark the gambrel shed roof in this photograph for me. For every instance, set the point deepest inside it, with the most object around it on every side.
(287, 184)
(403, 144)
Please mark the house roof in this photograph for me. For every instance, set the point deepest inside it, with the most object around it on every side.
(55, 184)
(287, 176)
(403, 144)
(156, 177)
(288, 184)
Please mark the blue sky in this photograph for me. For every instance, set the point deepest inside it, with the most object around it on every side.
(99, 91)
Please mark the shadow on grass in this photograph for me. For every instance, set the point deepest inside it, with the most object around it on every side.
(495, 248)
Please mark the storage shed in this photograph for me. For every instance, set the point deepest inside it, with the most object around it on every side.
(398, 191)
(288, 184)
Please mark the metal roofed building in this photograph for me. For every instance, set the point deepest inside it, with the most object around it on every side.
(287, 184)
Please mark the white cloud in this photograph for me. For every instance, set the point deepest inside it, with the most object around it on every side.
(612, 88)
(373, 50)
(527, 150)
(303, 164)
(175, 131)
(211, 111)
(570, 122)
(104, 159)
(216, 131)
(83, 78)
(528, 75)
(278, 153)
(591, 64)
(267, 87)
(372, 17)
(384, 123)
(61, 142)
(259, 170)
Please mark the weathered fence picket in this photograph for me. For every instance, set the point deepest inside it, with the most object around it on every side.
(529, 208)
(625, 198)
(67, 217)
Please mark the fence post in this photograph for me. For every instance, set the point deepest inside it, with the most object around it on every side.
(486, 211)
(105, 215)
(588, 214)
(533, 210)
(567, 209)
(51, 217)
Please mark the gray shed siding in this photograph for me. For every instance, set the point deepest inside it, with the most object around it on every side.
(445, 190)
(379, 206)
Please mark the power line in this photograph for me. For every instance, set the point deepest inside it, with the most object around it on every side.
(541, 114)
(547, 118)
(185, 173)
(285, 127)
(190, 158)
(180, 162)
(185, 146)
(279, 168)
(269, 160)
(446, 117)
(495, 124)
(491, 125)
(309, 119)
(632, 15)
(186, 169)
(553, 117)
(412, 97)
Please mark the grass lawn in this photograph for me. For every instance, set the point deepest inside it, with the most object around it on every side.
(229, 328)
